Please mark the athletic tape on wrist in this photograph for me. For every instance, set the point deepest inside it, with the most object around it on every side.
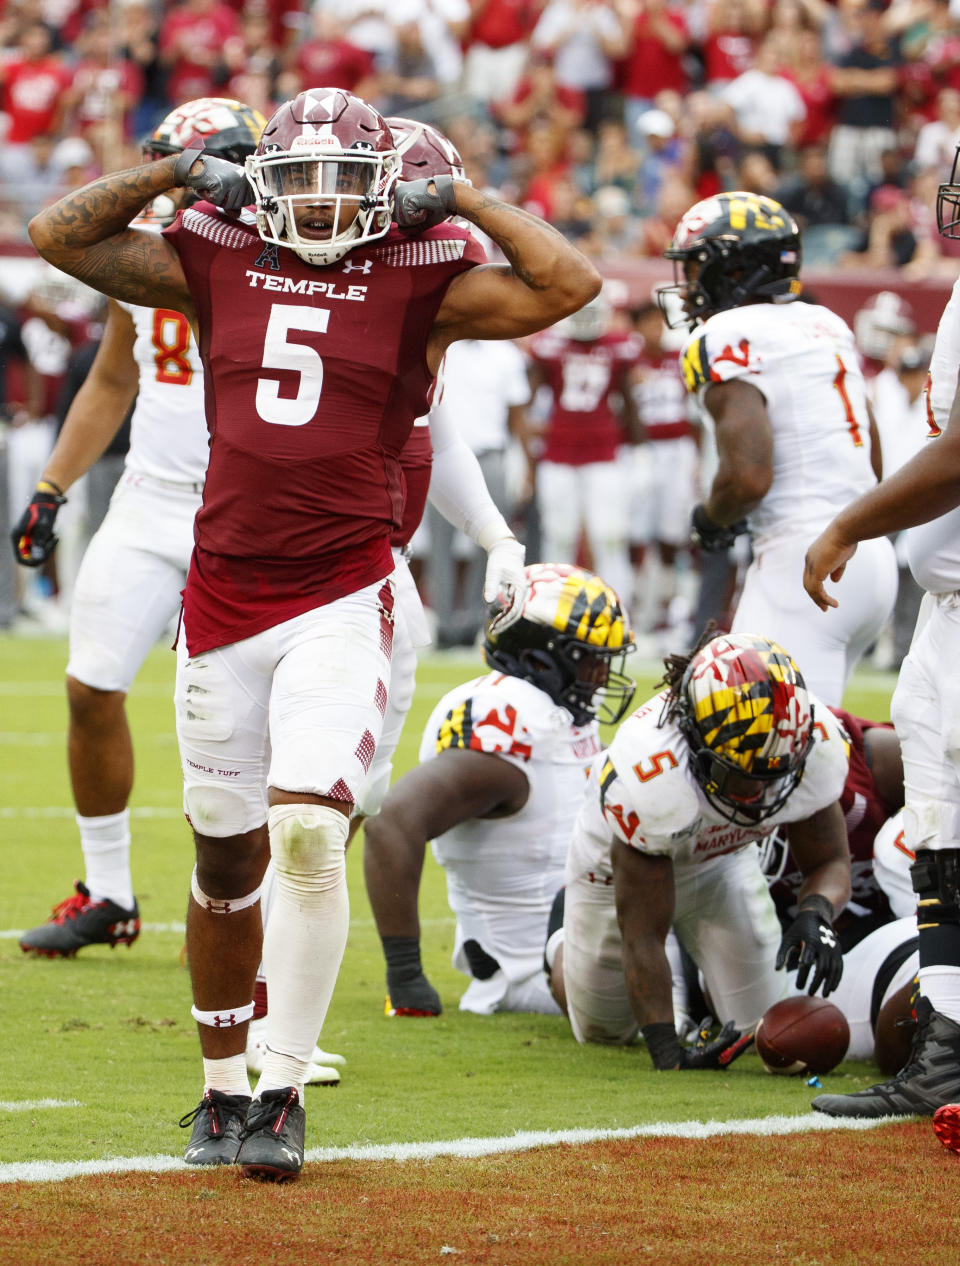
(225, 1019)
(217, 905)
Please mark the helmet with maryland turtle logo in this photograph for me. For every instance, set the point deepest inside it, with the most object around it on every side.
(570, 639)
(229, 129)
(323, 175)
(730, 249)
(744, 710)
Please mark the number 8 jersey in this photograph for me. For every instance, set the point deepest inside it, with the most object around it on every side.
(168, 439)
(314, 377)
(803, 360)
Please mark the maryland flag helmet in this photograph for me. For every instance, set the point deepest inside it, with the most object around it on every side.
(745, 712)
(570, 639)
(730, 249)
(229, 129)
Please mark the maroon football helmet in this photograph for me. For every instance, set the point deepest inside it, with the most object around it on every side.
(323, 175)
(425, 151)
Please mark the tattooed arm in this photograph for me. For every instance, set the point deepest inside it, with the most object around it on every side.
(547, 278)
(87, 234)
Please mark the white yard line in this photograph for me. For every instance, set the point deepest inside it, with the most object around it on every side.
(58, 1171)
(33, 1105)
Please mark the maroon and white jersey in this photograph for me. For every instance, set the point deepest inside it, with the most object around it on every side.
(313, 379)
(660, 396)
(583, 377)
(416, 461)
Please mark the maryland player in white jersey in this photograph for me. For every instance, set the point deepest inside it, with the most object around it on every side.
(501, 775)
(129, 583)
(781, 380)
(667, 838)
(923, 495)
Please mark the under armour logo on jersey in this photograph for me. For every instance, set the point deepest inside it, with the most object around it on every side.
(269, 257)
(364, 266)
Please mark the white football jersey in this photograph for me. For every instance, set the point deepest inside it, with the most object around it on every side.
(803, 359)
(503, 873)
(642, 792)
(168, 430)
(933, 549)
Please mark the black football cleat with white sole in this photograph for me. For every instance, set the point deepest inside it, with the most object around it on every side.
(272, 1147)
(929, 1080)
(217, 1122)
(78, 922)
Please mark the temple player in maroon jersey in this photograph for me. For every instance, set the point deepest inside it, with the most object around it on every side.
(321, 325)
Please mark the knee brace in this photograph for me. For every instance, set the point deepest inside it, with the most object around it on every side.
(936, 881)
(307, 845)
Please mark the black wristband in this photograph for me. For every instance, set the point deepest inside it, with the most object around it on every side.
(819, 905)
(403, 958)
(663, 1045)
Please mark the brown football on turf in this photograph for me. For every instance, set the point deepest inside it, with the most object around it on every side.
(800, 1035)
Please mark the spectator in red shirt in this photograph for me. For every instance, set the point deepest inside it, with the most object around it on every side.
(659, 39)
(329, 58)
(538, 97)
(195, 38)
(34, 84)
(733, 29)
(546, 162)
(813, 79)
(105, 87)
(497, 46)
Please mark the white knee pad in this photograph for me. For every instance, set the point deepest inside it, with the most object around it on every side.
(221, 811)
(307, 845)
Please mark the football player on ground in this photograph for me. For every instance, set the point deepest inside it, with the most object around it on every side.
(580, 487)
(502, 766)
(925, 710)
(782, 382)
(321, 327)
(128, 587)
(666, 837)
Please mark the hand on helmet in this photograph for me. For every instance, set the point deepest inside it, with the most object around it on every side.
(218, 181)
(710, 536)
(421, 204)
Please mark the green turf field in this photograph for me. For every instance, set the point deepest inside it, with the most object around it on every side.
(110, 1033)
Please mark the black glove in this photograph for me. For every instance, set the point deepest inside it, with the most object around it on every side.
(408, 990)
(415, 208)
(810, 941)
(33, 537)
(667, 1052)
(711, 536)
(221, 182)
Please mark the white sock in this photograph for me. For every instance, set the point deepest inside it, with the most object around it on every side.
(228, 1075)
(303, 944)
(106, 851)
(941, 984)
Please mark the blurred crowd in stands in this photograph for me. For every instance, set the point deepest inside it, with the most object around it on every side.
(608, 118)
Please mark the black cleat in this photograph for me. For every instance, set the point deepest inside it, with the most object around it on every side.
(77, 922)
(217, 1122)
(272, 1147)
(929, 1080)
